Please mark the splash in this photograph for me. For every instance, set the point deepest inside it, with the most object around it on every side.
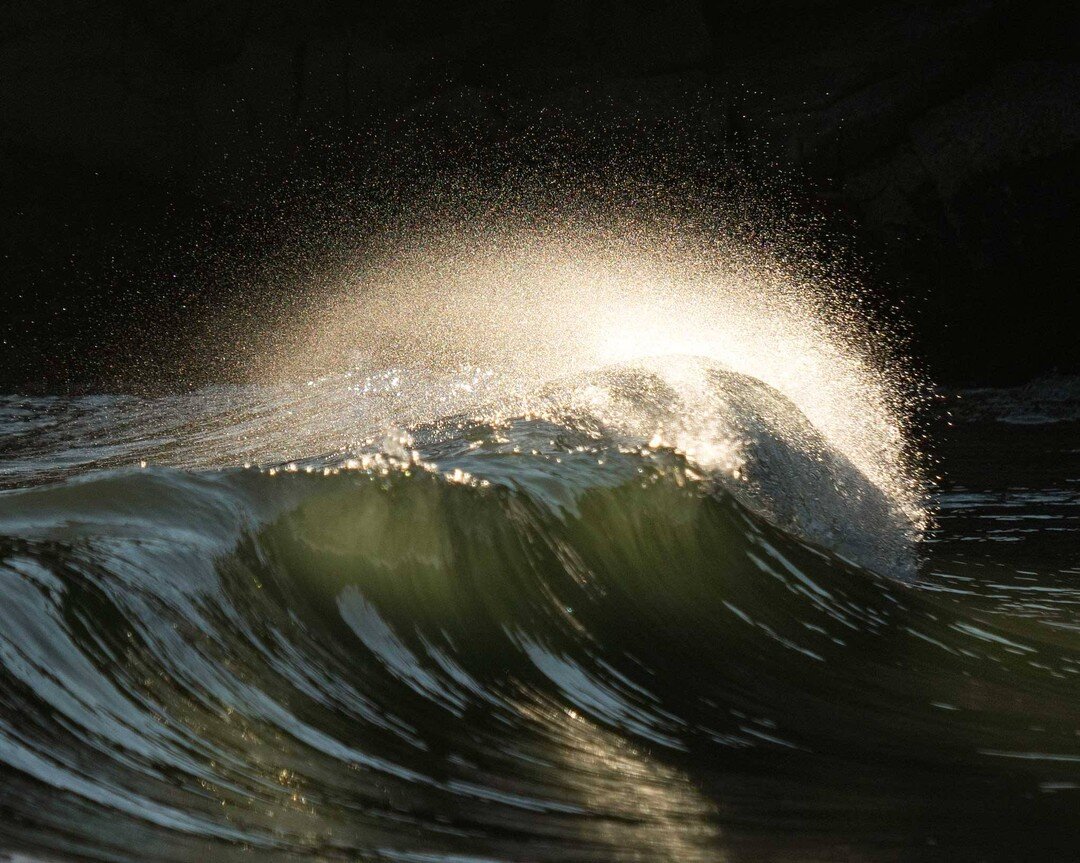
(532, 305)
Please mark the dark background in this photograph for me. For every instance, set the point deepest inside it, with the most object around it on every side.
(139, 140)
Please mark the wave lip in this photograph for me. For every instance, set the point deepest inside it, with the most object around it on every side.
(755, 444)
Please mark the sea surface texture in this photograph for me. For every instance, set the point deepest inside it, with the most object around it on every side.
(648, 612)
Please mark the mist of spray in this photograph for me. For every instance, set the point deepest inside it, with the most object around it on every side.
(525, 304)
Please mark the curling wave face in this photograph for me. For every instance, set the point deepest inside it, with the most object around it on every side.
(613, 620)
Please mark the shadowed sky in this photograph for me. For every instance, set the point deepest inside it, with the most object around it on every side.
(139, 142)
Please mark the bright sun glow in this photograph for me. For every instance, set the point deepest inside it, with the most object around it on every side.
(632, 336)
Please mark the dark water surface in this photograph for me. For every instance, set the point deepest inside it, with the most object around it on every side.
(527, 640)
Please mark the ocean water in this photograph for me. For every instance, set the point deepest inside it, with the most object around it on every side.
(655, 611)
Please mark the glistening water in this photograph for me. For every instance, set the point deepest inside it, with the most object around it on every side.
(669, 606)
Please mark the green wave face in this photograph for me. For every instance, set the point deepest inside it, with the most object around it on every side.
(406, 661)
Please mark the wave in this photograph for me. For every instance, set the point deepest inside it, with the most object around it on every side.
(746, 436)
(543, 635)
